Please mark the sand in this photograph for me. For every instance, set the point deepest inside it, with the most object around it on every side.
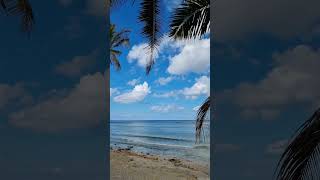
(127, 165)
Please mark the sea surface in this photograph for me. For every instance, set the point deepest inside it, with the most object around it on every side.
(173, 138)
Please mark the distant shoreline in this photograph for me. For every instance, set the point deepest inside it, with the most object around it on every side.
(126, 164)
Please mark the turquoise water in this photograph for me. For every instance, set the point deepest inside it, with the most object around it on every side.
(174, 138)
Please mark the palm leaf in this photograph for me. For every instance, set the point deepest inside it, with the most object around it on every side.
(149, 16)
(115, 61)
(117, 39)
(191, 19)
(201, 115)
(301, 158)
(120, 38)
(20, 8)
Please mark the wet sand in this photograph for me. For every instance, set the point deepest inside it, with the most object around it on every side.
(128, 165)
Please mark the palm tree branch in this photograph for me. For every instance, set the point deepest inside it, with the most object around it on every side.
(191, 19)
(149, 16)
(115, 61)
(201, 115)
(20, 8)
(301, 157)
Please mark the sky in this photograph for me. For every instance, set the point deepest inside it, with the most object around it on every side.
(266, 81)
(178, 83)
(265, 65)
(52, 93)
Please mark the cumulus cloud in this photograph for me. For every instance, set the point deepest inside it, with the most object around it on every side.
(169, 94)
(77, 66)
(83, 106)
(140, 53)
(114, 91)
(163, 81)
(166, 108)
(133, 82)
(292, 80)
(138, 93)
(201, 87)
(236, 19)
(194, 57)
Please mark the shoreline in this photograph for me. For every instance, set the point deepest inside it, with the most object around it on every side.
(126, 164)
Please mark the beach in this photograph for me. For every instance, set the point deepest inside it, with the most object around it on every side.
(129, 165)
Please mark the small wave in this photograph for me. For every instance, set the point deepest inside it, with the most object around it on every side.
(155, 137)
(157, 146)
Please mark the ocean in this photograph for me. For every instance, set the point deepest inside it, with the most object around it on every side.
(173, 138)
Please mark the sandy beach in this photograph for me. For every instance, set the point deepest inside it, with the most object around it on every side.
(128, 165)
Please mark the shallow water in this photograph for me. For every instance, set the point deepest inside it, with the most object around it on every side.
(161, 137)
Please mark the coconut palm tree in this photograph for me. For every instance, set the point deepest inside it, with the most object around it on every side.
(189, 21)
(149, 17)
(117, 39)
(301, 158)
(20, 8)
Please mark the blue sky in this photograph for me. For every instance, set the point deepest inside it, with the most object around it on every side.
(178, 82)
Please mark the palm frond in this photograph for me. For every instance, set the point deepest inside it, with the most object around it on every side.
(20, 8)
(3, 4)
(190, 20)
(120, 38)
(115, 61)
(117, 39)
(201, 115)
(149, 16)
(301, 158)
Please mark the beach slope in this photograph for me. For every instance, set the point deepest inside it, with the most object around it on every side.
(127, 165)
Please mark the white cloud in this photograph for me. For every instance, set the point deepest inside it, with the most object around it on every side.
(188, 55)
(133, 82)
(168, 42)
(201, 87)
(169, 94)
(138, 93)
(84, 106)
(194, 57)
(292, 80)
(163, 81)
(140, 53)
(77, 66)
(166, 108)
(114, 91)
